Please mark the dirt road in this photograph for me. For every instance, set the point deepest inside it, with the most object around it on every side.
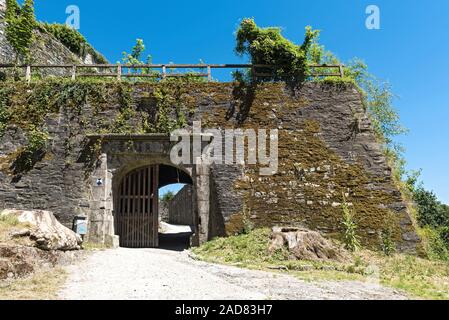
(163, 274)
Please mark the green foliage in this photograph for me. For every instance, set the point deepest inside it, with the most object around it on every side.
(9, 220)
(267, 46)
(435, 247)
(73, 40)
(33, 151)
(248, 249)
(37, 140)
(387, 244)
(378, 96)
(135, 58)
(431, 212)
(4, 114)
(379, 102)
(168, 196)
(350, 238)
(20, 24)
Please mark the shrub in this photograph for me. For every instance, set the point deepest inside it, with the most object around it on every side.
(431, 212)
(73, 40)
(168, 196)
(434, 245)
(267, 46)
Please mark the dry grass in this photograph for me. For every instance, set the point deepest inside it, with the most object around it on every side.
(9, 224)
(43, 285)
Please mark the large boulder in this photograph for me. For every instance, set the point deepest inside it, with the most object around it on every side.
(45, 230)
(304, 244)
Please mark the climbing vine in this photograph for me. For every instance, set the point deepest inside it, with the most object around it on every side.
(20, 24)
(72, 39)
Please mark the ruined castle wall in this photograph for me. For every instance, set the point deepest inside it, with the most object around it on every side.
(327, 151)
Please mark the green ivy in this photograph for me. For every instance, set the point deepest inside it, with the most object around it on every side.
(73, 40)
(20, 24)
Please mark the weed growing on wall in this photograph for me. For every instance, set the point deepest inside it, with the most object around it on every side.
(350, 237)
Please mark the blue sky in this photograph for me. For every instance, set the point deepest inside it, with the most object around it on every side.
(410, 50)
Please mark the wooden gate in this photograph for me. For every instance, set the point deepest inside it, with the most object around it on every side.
(136, 209)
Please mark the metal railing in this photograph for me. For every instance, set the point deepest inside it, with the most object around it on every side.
(120, 71)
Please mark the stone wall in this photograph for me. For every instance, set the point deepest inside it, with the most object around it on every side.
(180, 208)
(327, 150)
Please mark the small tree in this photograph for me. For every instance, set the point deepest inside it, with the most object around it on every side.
(168, 196)
(134, 58)
(20, 24)
(267, 46)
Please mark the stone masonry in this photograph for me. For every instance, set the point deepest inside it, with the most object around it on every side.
(327, 151)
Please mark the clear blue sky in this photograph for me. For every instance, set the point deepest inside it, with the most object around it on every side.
(411, 50)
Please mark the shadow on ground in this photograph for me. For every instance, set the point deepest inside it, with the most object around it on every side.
(174, 241)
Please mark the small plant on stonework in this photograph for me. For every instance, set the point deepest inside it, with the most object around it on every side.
(386, 236)
(387, 244)
(33, 152)
(248, 225)
(350, 237)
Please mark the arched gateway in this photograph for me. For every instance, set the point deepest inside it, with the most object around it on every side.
(136, 207)
(125, 191)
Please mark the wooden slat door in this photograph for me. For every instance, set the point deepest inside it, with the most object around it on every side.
(136, 209)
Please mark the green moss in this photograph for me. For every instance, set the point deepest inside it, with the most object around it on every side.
(311, 180)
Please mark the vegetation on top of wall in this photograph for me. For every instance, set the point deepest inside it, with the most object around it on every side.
(135, 58)
(267, 46)
(29, 106)
(73, 40)
(20, 24)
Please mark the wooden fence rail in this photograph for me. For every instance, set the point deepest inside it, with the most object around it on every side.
(141, 71)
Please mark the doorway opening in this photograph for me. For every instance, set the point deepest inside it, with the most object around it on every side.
(154, 208)
(176, 211)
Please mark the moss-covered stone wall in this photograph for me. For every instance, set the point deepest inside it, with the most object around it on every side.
(327, 150)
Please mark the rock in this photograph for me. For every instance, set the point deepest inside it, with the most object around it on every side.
(45, 230)
(18, 261)
(304, 244)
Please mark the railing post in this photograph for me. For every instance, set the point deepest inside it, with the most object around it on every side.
(342, 72)
(209, 74)
(164, 72)
(119, 73)
(74, 73)
(28, 74)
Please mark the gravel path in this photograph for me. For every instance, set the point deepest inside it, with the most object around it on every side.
(162, 274)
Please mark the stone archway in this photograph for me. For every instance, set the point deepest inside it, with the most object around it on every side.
(121, 154)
